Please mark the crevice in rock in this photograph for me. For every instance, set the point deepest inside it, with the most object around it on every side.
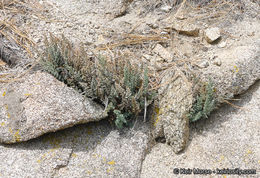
(151, 143)
(7, 54)
(60, 166)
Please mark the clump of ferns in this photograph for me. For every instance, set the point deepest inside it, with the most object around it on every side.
(205, 102)
(123, 88)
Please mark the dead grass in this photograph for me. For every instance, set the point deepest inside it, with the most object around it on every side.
(234, 106)
(17, 75)
(211, 11)
(11, 29)
(214, 12)
(12, 12)
(134, 39)
(13, 15)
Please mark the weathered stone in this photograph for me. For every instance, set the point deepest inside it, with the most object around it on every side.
(175, 100)
(147, 57)
(89, 150)
(212, 34)
(217, 62)
(186, 29)
(239, 70)
(162, 52)
(166, 8)
(8, 55)
(182, 49)
(116, 9)
(229, 138)
(222, 44)
(203, 64)
(181, 17)
(156, 62)
(38, 104)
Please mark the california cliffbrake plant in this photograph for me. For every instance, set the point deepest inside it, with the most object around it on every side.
(204, 104)
(123, 88)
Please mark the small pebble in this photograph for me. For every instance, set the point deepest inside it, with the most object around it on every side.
(217, 62)
(166, 8)
(205, 49)
(204, 64)
(212, 34)
(222, 44)
(37, 40)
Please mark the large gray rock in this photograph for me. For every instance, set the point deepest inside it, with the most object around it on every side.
(239, 70)
(229, 138)
(38, 104)
(89, 150)
(170, 117)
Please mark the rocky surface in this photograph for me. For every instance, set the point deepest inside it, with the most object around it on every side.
(186, 29)
(230, 138)
(182, 52)
(240, 65)
(38, 104)
(170, 118)
(232, 72)
(163, 53)
(240, 69)
(99, 22)
(92, 150)
(212, 34)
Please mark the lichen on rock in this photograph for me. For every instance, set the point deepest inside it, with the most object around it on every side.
(175, 100)
(39, 104)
